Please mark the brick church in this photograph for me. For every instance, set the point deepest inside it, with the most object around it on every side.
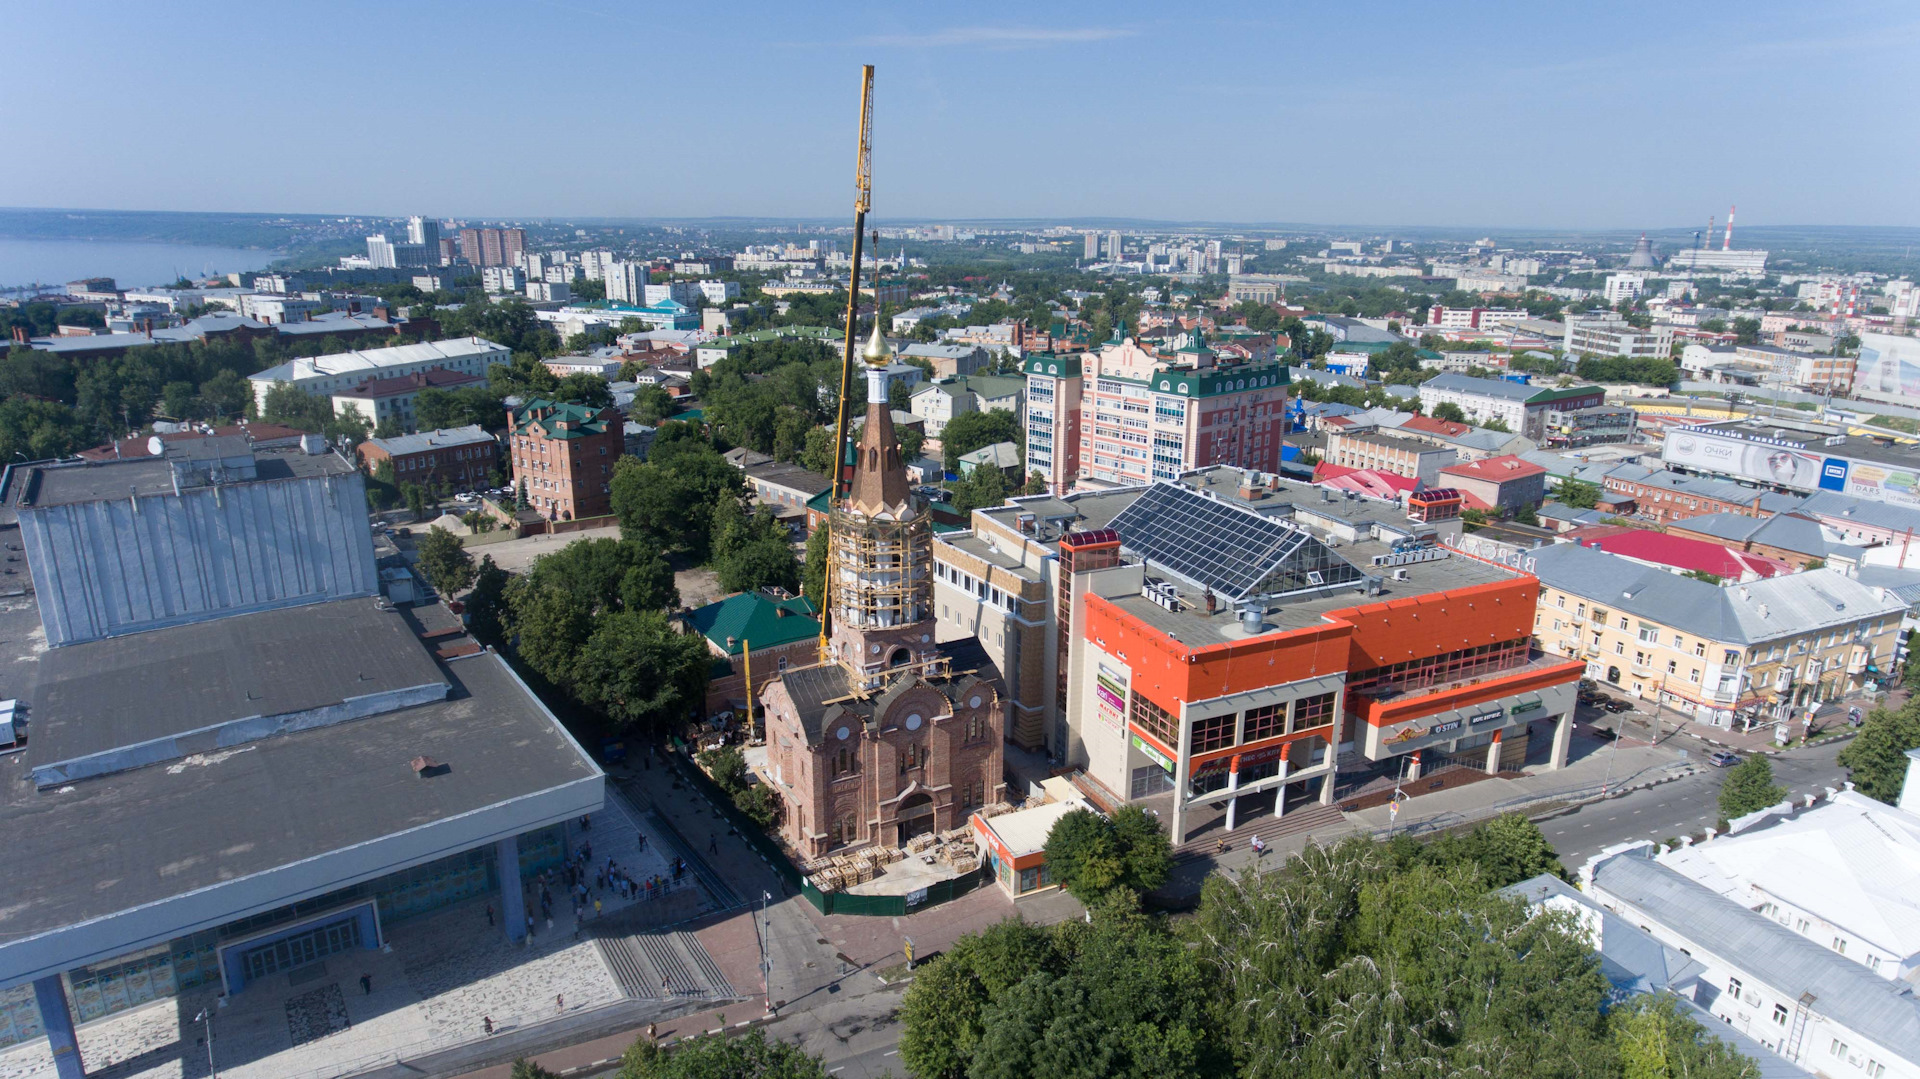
(893, 735)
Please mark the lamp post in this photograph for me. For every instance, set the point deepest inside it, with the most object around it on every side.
(205, 1019)
(766, 961)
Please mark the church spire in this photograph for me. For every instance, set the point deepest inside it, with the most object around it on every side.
(879, 476)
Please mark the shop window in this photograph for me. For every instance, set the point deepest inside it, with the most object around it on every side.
(1315, 711)
(1265, 722)
(1213, 732)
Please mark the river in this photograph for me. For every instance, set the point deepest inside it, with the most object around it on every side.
(131, 264)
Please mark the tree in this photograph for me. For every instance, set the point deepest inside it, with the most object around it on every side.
(758, 564)
(638, 671)
(1746, 331)
(291, 406)
(1578, 494)
(486, 603)
(971, 430)
(648, 584)
(416, 497)
(1524, 515)
(816, 454)
(39, 430)
(983, 488)
(527, 1069)
(1910, 675)
(1505, 850)
(448, 566)
(716, 1056)
(1876, 759)
(1655, 1040)
(1036, 485)
(814, 577)
(1447, 410)
(1748, 787)
(942, 1012)
(1090, 855)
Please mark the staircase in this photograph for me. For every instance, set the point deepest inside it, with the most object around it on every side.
(658, 965)
(1268, 827)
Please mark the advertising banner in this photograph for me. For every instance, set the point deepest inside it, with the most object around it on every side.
(1882, 484)
(1716, 452)
(1152, 753)
(1888, 368)
(1110, 696)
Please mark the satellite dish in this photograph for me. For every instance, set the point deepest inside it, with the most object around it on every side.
(155, 447)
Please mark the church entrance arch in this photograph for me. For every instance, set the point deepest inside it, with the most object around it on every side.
(915, 816)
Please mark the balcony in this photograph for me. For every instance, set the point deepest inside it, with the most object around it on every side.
(1858, 661)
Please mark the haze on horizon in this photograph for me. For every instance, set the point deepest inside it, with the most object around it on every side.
(1634, 115)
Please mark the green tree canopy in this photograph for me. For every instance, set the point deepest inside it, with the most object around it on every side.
(716, 1056)
(1578, 494)
(639, 671)
(448, 566)
(971, 430)
(1876, 759)
(1748, 787)
(1090, 854)
(1447, 410)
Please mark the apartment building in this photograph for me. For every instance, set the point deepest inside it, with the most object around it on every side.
(454, 458)
(332, 373)
(1521, 407)
(563, 455)
(1054, 395)
(1144, 416)
(1760, 650)
(1662, 495)
(1611, 335)
(379, 400)
(1386, 453)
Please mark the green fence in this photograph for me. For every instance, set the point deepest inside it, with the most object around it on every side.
(825, 902)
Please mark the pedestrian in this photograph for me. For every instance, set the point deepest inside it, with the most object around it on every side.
(643, 840)
(586, 850)
(596, 910)
(713, 844)
(366, 985)
(489, 915)
(529, 927)
(549, 921)
(559, 1002)
(486, 1023)
(666, 987)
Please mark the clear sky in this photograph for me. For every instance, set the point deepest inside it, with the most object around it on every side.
(1550, 114)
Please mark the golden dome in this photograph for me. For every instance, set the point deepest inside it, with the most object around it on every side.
(877, 354)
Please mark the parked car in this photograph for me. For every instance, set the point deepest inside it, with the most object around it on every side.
(1615, 704)
(1720, 758)
(466, 496)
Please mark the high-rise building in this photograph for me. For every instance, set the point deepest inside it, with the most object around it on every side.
(1113, 247)
(1093, 247)
(626, 282)
(380, 252)
(491, 251)
(513, 244)
(1143, 416)
(563, 456)
(425, 231)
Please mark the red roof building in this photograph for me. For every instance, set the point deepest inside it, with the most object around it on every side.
(1371, 482)
(1648, 547)
(1497, 484)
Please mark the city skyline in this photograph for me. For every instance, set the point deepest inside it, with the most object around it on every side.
(1500, 117)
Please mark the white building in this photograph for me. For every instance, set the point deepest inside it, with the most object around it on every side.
(498, 280)
(1624, 286)
(324, 375)
(719, 291)
(1611, 335)
(277, 308)
(1781, 947)
(626, 282)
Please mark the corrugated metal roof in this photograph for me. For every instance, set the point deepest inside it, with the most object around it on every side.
(1842, 990)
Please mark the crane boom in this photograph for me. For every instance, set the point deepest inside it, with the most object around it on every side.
(862, 200)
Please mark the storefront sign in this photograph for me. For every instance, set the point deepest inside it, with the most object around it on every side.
(1261, 756)
(1488, 717)
(1110, 696)
(1153, 754)
(1442, 728)
(1524, 707)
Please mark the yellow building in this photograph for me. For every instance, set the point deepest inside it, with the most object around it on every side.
(1713, 652)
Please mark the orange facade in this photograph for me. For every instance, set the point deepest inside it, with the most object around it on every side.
(1170, 673)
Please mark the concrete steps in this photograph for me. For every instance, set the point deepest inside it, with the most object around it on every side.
(1268, 827)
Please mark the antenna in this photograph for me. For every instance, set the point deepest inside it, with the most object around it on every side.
(1727, 245)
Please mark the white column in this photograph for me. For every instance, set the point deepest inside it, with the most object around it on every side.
(1493, 753)
(1280, 792)
(1562, 741)
(1233, 784)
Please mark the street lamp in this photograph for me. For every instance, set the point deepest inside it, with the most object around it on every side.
(766, 961)
(205, 1019)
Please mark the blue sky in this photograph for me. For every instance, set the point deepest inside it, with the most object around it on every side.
(1554, 114)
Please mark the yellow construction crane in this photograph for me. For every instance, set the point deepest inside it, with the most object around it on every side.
(862, 200)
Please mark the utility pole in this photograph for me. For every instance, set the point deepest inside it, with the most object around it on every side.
(205, 1019)
(763, 930)
(862, 200)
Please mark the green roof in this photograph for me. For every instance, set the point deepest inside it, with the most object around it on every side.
(1046, 363)
(1219, 380)
(819, 333)
(1557, 394)
(581, 420)
(756, 618)
(821, 502)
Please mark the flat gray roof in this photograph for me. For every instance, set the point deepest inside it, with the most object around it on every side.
(126, 691)
(1192, 625)
(96, 481)
(105, 846)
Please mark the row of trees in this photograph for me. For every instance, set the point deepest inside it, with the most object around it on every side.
(1356, 960)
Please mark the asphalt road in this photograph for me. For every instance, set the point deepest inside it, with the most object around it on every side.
(1682, 807)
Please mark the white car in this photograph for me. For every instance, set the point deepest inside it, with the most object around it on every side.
(466, 496)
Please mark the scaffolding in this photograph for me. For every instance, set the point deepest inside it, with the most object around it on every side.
(879, 572)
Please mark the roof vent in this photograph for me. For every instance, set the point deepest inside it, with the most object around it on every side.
(427, 767)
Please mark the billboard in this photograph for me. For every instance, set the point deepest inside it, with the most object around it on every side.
(1888, 368)
(1882, 483)
(1761, 461)
(1110, 696)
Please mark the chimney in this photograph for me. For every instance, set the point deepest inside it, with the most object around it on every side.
(382, 314)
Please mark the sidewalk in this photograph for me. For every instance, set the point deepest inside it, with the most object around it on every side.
(1829, 720)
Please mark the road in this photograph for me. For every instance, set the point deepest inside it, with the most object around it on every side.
(1683, 807)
